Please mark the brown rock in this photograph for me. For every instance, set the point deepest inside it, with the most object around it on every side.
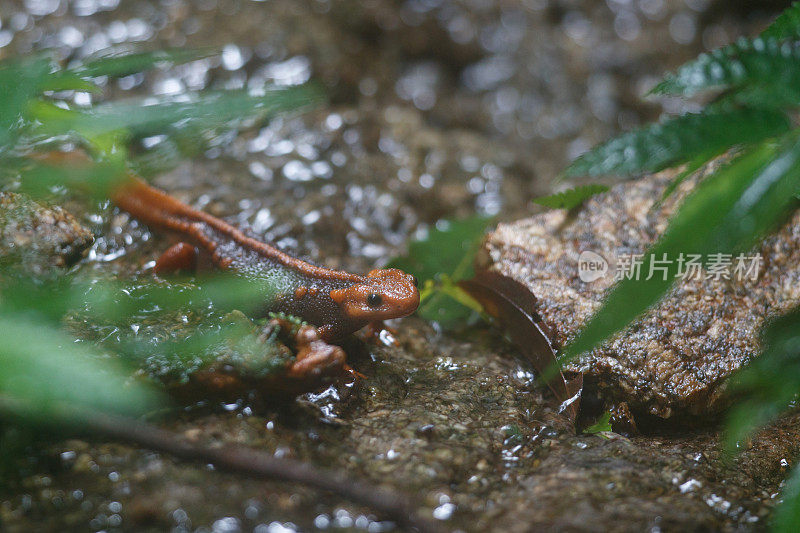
(676, 358)
(39, 239)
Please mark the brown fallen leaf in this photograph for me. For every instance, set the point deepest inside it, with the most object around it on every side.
(513, 306)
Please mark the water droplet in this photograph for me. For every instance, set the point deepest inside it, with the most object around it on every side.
(627, 25)
(42, 7)
(297, 171)
(71, 36)
(232, 58)
(444, 511)
(293, 71)
(682, 27)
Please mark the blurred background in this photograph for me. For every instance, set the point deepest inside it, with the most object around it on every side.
(437, 108)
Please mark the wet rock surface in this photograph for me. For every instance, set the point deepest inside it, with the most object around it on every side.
(426, 426)
(438, 109)
(675, 359)
(39, 240)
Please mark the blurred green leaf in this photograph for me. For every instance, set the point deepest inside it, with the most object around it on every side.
(786, 26)
(120, 63)
(440, 260)
(787, 516)
(728, 212)
(174, 346)
(769, 383)
(113, 301)
(448, 248)
(679, 140)
(571, 197)
(20, 81)
(116, 64)
(68, 81)
(164, 156)
(170, 330)
(47, 301)
(41, 110)
(98, 180)
(40, 366)
(143, 117)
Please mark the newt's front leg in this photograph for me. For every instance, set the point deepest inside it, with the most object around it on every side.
(314, 356)
(181, 257)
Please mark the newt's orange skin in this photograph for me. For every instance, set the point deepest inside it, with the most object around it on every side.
(338, 302)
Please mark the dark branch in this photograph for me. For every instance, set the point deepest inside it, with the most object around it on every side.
(233, 458)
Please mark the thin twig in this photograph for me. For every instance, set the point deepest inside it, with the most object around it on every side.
(235, 458)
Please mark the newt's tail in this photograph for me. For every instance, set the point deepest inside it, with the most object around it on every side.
(134, 195)
(158, 209)
(152, 206)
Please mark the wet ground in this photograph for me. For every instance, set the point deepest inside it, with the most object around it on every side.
(437, 109)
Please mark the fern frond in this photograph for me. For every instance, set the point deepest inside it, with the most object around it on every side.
(728, 212)
(571, 197)
(786, 26)
(678, 140)
(745, 60)
(760, 61)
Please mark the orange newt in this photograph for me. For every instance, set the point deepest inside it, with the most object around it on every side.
(338, 302)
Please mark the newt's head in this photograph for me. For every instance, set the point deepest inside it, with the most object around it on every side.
(384, 294)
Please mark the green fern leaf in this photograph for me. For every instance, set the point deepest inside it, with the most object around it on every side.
(786, 26)
(765, 62)
(718, 69)
(692, 167)
(727, 213)
(571, 197)
(678, 140)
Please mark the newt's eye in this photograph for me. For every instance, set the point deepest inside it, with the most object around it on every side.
(374, 299)
(415, 280)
